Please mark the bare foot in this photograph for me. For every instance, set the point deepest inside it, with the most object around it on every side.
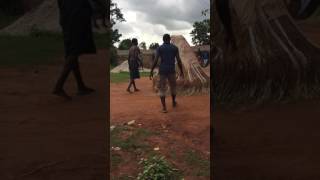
(85, 91)
(136, 90)
(164, 111)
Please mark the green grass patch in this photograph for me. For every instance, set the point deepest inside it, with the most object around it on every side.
(6, 20)
(316, 14)
(28, 50)
(135, 140)
(124, 76)
(38, 48)
(201, 166)
(115, 159)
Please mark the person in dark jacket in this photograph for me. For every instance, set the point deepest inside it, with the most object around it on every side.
(75, 20)
(168, 53)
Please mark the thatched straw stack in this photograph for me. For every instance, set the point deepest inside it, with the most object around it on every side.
(45, 17)
(274, 60)
(196, 80)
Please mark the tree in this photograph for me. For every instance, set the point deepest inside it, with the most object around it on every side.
(115, 37)
(116, 17)
(116, 14)
(125, 44)
(268, 58)
(154, 46)
(143, 45)
(201, 31)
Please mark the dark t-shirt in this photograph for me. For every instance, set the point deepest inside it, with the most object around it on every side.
(168, 53)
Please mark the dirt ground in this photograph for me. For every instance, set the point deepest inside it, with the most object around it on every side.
(273, 142)
(184, 128)
(44, 137)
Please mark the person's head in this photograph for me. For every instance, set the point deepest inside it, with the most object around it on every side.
(134, 41)
(166, 38)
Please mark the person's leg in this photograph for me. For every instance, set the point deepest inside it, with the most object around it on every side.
(82, 88)
(134, 86)
(174, 102)
(163, 102)
(77, 74)
(129, 86)
(162, 92)
(67, 67)
(173, 88)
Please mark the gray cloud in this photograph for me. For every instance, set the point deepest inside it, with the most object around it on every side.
(155, 17)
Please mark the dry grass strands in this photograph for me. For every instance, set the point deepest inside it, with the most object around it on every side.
(273, 61)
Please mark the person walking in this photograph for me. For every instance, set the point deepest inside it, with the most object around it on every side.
(75, 20)
(134, 62)
(168, 53)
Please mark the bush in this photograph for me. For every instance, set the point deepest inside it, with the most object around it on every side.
(157, 168)
(113, 56)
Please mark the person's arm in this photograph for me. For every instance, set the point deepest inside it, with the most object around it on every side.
(179, 63)
(155, 62)
(139, 58)
(129, 61)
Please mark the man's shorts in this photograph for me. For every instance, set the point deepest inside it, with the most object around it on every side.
(171, 78)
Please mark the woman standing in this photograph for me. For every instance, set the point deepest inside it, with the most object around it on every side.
(134, 62)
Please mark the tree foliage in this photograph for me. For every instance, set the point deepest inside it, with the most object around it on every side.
(116, 14)
(154, 46)
(115, 36)
(125, 44)
(201, 30)
(116, 17)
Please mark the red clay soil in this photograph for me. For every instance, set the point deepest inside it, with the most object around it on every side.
(188, 125)
(44, 137)
(273, 142)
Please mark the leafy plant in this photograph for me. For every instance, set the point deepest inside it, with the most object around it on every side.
(157, 168)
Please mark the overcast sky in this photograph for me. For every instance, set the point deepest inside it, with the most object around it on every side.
(148, 20)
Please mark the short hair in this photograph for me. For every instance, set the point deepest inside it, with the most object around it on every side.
(134, 41)
(166, 38)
